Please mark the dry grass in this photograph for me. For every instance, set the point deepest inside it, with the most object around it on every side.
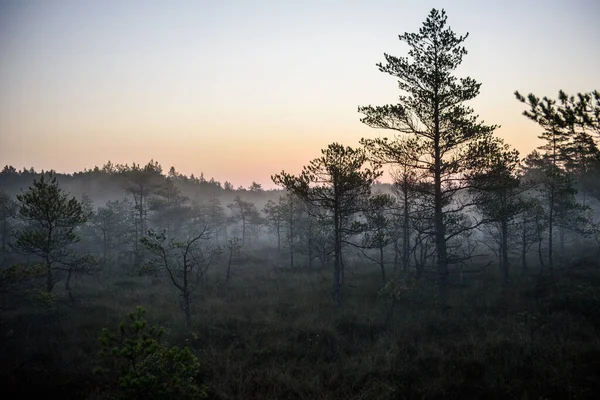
(275, 335)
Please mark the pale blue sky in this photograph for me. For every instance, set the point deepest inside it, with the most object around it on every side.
(243, 89)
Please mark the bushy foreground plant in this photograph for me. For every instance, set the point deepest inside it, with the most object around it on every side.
(143, 367)
(18, 282)
(393, 291)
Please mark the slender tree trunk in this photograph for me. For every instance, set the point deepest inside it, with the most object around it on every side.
(291, 232)
(186, 299)
(342, 266)
(499, 254)
(49, 279)
(418, 262)
(291, 254)
(217, 235)
(504, 250)
(278, 239)
(4, 233)
(551, 233)
(228, 277)
(243, 230)
(68, 284)
(524, 247)
(186, 309)
(396, 256)
(105, 247)
(199, 276)
(440, 228)
(310, 244)
(381, 264)
(405, 232)
(136, 240)
(540, 256)
(337, 258)
(561, 234)
(310, 253)
(140, 209)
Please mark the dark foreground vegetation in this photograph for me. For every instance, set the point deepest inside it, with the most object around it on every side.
(272, 334)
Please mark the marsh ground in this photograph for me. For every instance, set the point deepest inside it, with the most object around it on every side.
(274, 334)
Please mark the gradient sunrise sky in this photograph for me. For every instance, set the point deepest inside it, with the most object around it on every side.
(242, 89)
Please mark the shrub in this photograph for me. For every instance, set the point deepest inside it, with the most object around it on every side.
(143, 367)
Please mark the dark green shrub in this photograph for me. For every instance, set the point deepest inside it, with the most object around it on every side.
(143, 367)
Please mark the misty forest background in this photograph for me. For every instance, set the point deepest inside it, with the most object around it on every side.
(474, 274)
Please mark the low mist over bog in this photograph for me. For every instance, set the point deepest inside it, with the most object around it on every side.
(312, 200)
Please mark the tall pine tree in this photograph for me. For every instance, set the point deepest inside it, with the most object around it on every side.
(437, 126)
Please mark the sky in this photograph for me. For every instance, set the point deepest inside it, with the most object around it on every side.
(242, 89)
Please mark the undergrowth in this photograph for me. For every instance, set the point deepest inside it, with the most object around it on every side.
(277, 335)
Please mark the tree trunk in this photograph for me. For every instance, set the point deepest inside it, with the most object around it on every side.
(418, 263)
(142, 219)
(405, 232)
(68, 284)
(136, 247)
(243, 230)
(228, 277)
(186, 295)
(278, 240)
(49, 279)
(291, 246)
(381, 264)
(551, 230)
(504, 250)
(342, 266)
(524, 248)
(440, 228)
(186, 308)
(561, 233)
(337, 259)
(310, 254)
(291, 232)
(541, 258)
(105, 248)
(396, 256)
(4, 233)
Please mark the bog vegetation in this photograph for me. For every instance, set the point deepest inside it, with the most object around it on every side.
(475, 274)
